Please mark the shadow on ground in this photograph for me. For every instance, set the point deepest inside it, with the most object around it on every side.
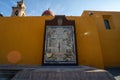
(115, 72)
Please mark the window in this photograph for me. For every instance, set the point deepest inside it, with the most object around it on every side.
(16, 13)
(23, 14)
(107, 24)
(20, 5)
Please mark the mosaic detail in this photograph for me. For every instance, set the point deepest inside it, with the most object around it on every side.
(59, 45)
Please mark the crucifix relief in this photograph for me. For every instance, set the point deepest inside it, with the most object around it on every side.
(59, 42)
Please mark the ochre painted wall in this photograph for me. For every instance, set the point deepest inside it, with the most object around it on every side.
(109, 39)
(88, 44)
(22, 39)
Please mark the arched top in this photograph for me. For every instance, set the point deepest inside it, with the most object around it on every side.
(16, 13)
(48, 13)
(60, 20)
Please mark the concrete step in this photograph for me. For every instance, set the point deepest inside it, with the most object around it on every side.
(63, 73)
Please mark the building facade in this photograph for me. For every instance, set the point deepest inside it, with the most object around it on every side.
(97, 39)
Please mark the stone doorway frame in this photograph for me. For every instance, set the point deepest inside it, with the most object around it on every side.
(59, 20)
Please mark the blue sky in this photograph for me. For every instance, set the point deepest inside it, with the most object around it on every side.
(60, 7)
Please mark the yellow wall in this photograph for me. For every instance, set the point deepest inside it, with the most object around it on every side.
(22, 34)
(110, 40)
(88, 44)
(21, 40)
